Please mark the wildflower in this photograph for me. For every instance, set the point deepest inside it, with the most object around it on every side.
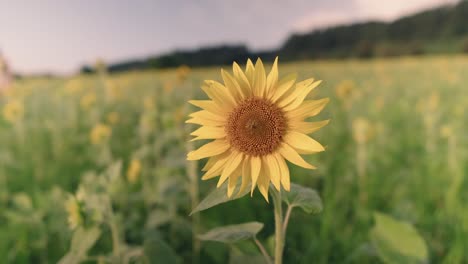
(100, 133)
(13, 111)
(257, 122)
(75, 212)
(134, 170)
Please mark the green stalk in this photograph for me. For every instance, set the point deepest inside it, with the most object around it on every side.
(191, 169)
(279, 234)
(115, 237)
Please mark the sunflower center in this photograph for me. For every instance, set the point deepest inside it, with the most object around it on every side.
(256, 127)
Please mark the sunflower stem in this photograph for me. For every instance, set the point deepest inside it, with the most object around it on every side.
(263, 250)
(115, 238)
(279, 234)
(191, 169)
(286, 219)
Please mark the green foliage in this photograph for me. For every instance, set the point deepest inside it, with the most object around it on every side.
(412, 171)
(82, 241)
(397, 241)
(158, 251)
(233, 233)
(304, 198)
(219, 196)
(247, 259)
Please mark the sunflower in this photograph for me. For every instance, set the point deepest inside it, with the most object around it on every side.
(256, 122)
(134, 170)
(75, 212)
(100, 134)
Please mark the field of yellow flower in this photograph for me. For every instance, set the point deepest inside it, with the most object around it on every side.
(93, 169)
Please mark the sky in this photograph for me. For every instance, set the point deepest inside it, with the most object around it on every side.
(62, 35)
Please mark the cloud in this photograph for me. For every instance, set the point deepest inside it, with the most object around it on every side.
(363, 10)
(390, 10)
(316, 20)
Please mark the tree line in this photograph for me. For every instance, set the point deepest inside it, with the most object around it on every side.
(438, 30)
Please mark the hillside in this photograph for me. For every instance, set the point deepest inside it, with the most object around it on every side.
(438, 30)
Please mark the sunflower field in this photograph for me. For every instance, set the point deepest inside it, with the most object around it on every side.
(94, 169)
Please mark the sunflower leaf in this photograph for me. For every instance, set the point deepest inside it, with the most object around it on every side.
(247, 259)
(82, 241)
(232, 233)
(219, 196)
(397, 241)
(305, 198)
(156, 250)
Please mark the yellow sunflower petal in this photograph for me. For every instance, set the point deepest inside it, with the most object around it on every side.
(283, 87)
(210, 149)
(219, 93)
(232, 181)
(204, 114)
(212, 173)
(207, 132)
(211, 161)
(284, 172)
(208, 105)
(255, 166)
(246, 174)
(231, 83)
(230, 167)
(216, 169)
(307, 109)
(272, 170)
(292, 156)
(259, 79)
(241, 78)
(263, 184)
(204, 122)
(272, 78)
(302, 92)
(249, 72)
(307, 127)
(302, 143)
(295, 92)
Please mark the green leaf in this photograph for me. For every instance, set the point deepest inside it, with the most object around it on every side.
(156, 250)
(157, 217)
(219, 196)
(397, 241)
(82, 241)
(112, 173)
(22, 202)
(305, 198)
(247, 259)
(233, 233)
